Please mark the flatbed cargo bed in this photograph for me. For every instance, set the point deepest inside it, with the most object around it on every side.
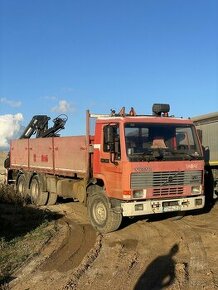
(55, 155)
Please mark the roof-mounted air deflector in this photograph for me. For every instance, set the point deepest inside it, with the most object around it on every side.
(161, 109)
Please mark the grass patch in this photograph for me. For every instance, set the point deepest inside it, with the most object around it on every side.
(9, 195)
(23, 232)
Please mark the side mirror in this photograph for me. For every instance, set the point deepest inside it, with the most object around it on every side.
(206, 151)
(109, 135)
(111, 142)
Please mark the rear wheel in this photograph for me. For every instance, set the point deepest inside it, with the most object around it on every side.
(21, 186)
(38, 197)
(102, 217)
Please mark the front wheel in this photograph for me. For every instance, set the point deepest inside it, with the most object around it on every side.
(101, 216)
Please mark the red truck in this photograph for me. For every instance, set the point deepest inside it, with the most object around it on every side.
(131, 165)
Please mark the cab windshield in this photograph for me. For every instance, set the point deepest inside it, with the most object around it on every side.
(151, 142)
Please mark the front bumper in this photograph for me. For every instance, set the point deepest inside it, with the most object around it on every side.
(148, 207)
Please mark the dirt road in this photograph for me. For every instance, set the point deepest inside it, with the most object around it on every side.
(145, 254)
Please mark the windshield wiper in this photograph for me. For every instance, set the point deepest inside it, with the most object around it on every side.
(175, 152)
(190, 155)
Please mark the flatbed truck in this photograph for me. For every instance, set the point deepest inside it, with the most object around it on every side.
(130, 165)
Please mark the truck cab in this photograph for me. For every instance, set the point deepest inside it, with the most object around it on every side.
(147, 164)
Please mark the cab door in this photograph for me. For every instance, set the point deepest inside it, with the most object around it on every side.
(110, 160)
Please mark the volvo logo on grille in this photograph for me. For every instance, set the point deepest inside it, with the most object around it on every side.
(170, 178)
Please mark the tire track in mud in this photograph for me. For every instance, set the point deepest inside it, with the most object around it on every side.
(123, 257)
(86, 263)
(59, 259)
(140, 256)
(134, 249)
(77, 243)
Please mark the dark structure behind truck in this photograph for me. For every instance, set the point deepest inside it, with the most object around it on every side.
(207, 126)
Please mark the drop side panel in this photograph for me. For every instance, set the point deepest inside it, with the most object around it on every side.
(19, 153)
(41, 153)
(70, 155)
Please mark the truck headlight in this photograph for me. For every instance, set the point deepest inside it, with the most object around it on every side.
(140, 193)
(197, 189)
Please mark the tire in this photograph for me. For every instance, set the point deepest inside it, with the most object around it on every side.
(52, 198)
(38, 197)
(101, 216)
(22, 186)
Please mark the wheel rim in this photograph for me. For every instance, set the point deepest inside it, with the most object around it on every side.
(34, 190)
(100, 212)
(21, 188)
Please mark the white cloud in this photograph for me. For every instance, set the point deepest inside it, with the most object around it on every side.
(11, 103)
(63, 107)
(10, 128)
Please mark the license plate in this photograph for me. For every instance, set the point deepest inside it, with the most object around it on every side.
(171, 208)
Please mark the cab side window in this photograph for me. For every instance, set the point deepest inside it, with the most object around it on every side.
(114, 147)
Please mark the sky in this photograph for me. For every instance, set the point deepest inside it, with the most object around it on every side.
(67, 56)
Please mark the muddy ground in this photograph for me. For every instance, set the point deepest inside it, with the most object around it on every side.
(145, 254)
(154, 253)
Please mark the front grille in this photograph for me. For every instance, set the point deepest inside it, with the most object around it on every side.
(169, 178)
(165, 182)
(167, 191)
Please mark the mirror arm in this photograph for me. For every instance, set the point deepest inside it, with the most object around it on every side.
(112, 160)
